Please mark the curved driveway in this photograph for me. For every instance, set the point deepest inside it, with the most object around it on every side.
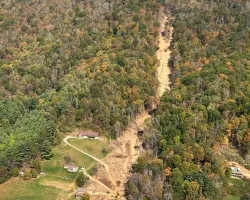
(65, 140)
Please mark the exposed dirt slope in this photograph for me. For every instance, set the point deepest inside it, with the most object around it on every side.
(124, 153)
(114, 169)
(163, 56)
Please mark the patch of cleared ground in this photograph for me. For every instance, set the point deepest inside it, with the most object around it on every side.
(120, 159)
(54, 166)
(230, 197)
(230, 155)
(163, 55)
(236, 182)
(60, 183)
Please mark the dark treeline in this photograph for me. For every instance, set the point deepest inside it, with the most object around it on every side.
(208, 106)
(66, 64)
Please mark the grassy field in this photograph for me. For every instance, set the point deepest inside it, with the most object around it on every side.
(55, 166)
(18, 189)
(247, 166)
(236, 182)
(232, 198)
(96, 148)
(52, 185)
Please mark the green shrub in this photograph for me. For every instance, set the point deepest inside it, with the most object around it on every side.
(26, 175)
(14, 172)
(81, 180)
(33, 173)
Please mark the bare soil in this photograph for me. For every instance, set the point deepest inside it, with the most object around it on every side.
(119, 161)
(124, 153)
(163, 56)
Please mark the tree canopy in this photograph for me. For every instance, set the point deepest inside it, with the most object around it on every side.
(67, 64)
(207, 105)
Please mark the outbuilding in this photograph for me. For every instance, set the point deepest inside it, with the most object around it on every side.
(88, 134)
(80, 192)
(71, 168)
(236, 172)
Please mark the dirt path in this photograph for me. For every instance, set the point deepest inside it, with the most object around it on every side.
(99, 182)
(117, 164)
(65, 140)
(163, 55)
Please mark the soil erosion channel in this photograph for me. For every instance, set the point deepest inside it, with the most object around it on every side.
(113, 171)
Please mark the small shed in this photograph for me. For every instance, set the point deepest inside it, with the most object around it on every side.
(236, 172)
(88, 134)
(80, 192)
(71, 168)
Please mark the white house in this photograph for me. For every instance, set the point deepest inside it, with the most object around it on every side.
(71, 168)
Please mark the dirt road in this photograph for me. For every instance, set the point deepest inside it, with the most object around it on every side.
(99, 182)
(113, 175)
(65, 140)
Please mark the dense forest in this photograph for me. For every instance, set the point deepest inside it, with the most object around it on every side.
(67, 64)
(207, 107)
(92, 64)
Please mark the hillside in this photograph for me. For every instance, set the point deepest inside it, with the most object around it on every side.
(67, 64)
(104, 65)
(206, 109)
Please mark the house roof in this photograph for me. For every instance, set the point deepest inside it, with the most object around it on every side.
(236, 170)
(88, 133)
(80, 191)
(70, 166)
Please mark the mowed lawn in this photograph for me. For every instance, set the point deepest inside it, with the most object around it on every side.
(52, 185)
(18, 189)
(232, 198)
(236, 182)
(95, 148)
(55, 165)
